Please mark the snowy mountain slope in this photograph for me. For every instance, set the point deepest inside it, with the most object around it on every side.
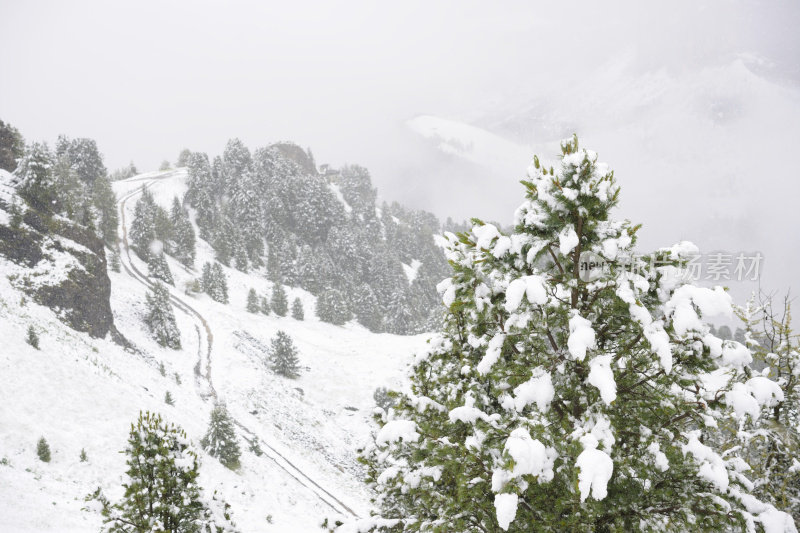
(80, 392)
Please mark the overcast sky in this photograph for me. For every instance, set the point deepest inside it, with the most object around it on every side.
(695, 104)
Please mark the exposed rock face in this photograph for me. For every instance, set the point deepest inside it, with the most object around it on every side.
(58, 263)
(297, 155)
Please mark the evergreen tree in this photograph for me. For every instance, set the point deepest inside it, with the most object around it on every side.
(183, 243)
(252, 301)
(159, 269)
(558, 399)
(43, 450)
(297, 309)
(83, 457)
(219, 284)
(265, 305)
(160, 319)
(33, 337)
(162, 491)
(280, 302)
(35, 177)
(220, 439)
(207, 278)
(283, 357)
(367, 310)
(332, 307)
(168, 398)
(771, 436)
(12, 146)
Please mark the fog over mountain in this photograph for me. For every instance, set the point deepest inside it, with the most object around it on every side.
(695, 104)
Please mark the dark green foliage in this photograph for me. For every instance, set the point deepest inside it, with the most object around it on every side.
(168, 398)
(162, 491)
(43, 450)
(252, 301)
(159, 269)
(220, 439)
(332, 307)
(318, 231)
(215, 283)
(160, 319)
(282, 357)
(150, 227)
(162, 369)
(83, 457)
(280, 302)
(297, 309)
(182, 243)
(536, 362)
(33, 337)
(12, 146)
(35, 178)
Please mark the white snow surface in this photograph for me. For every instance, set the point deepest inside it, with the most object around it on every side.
(581, 336)
(506, 507)
(595, 468)
(83, 393)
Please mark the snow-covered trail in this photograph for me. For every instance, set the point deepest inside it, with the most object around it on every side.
(205, 355)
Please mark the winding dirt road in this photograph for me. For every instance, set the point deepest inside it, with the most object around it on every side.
(204, 351)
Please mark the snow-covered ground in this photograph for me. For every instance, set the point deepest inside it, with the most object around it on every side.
(80, 392)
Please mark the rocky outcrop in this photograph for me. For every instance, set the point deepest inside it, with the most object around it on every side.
(58, 263)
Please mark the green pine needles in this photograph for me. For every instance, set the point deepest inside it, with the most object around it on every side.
(220, 439)
(562, 400)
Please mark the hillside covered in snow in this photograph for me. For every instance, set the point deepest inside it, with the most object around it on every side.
(81, 393)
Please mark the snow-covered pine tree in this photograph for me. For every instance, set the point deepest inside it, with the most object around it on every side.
(162, 491)
(332, 307)
(283, 357)
(220, 439)
(183, 237)
(150, 223)
(34, 176)
(264, 305)
(160, 319)
(33, 337)
(43, 450)
(218, 287)
(560, 402)
(158, 268)
(252, 301)
(367, 310)
(280, 302)
(168, 398)
(771, 435)
(297, 309)
(83, 456)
